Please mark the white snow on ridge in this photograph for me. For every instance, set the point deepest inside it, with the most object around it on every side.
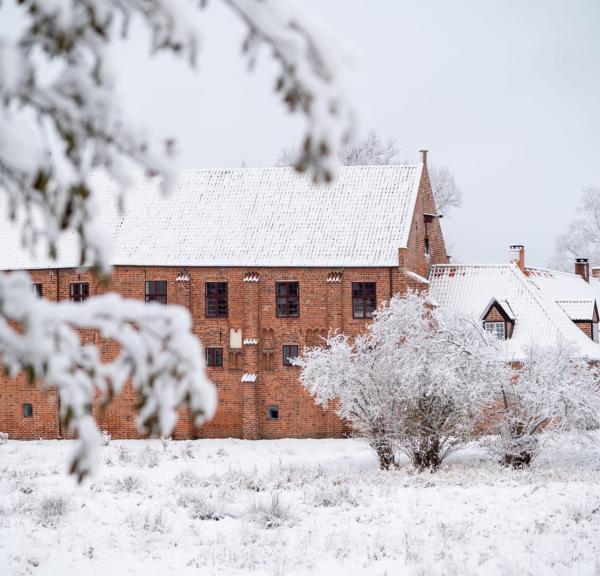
(251, 217)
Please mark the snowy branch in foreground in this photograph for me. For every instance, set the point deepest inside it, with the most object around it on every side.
(157, 353)
(60, 118)
(419, 380)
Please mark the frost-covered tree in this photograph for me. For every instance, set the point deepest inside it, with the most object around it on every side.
(553, 389)
(582, 237)
(59, 120)
(418, 380)
(446, 192)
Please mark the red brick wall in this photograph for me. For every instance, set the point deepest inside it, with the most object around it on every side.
(242, 409)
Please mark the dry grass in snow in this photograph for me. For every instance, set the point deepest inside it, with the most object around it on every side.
(296, 507)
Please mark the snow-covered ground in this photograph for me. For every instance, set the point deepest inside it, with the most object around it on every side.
(295, 507)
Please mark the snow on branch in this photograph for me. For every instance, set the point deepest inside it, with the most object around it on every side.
(418, 381)
(60, 118)
(311, 79)
(157, 353)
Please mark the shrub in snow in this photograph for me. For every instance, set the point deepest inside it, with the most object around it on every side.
(124, 455)
(553, 389)
(128, 483)
(269, 513)
(187, 479)
(200, 507)
(3, 438)
(148, 458)
(106, 438)
(418, 380)
(155, 522)
(52, 508)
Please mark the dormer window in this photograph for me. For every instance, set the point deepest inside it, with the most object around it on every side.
(498, 329)
(584, 314)
(498, 319)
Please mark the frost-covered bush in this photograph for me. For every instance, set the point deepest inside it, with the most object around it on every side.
(128, 483)
(417, 381)
(270, 512)
(106, 438)
(202, 507)
(331, 495)
(60, 120)
(187, 479)
(3, 438)
(148, 458)
(552, 390)
(124, 455)
(52, 509)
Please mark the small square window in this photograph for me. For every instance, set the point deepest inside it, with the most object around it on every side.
(38, 289)
(273, 412)
(27, 410)
(214, 357)
(289, 351)
(79, 291)
(156, 291)
(498, 329)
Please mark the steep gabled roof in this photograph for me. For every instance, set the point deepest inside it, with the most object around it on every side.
(538, 316)
(502, 305)
(252, 217)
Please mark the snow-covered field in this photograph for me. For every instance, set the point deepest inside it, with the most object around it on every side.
(295, 507)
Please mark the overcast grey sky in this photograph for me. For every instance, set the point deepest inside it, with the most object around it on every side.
(505, 92)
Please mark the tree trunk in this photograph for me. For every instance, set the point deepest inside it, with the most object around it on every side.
(385, 454)
(517, 461)
(427, 454)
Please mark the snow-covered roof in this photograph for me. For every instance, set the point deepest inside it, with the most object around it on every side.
(503, 304)
(539, 318)
(578, 309)
(251, 217)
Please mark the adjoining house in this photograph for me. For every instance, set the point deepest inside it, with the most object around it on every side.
(524, 305)
(266, 263)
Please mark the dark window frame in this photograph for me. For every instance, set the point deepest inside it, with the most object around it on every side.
(286, 354)
(79, 291)
(287, 304)
(38, 289)
(27, 410)
(368, 301)
(214, 357)
(153, 294)
(216, 299)
(273, 412)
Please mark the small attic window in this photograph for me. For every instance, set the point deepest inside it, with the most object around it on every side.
(498, 319)
(498, 329)
(427, 249)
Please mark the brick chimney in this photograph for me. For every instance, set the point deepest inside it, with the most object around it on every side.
(423, 154)
(596, 272)
(520, 259)
(582, 268)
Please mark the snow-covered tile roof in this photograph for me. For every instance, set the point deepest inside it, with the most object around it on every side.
(251, 217)
(538, 316)
(578, 309)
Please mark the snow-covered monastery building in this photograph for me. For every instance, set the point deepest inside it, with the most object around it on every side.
(524, 305)
(266, 263)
